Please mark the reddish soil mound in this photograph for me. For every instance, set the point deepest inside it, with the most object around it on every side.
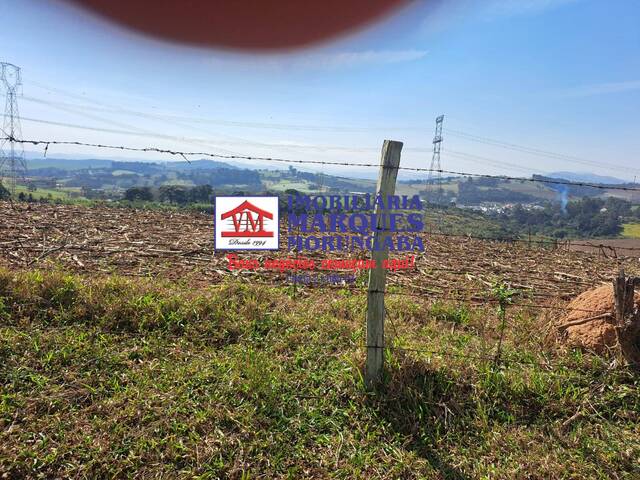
(590, 321)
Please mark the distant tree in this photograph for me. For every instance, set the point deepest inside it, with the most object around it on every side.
(201, 194)
(486, 182)
(22, 197)
(4, 193)
(588, 217)
(139, 193)
(617, 206)
(87, 192)
(174, 194)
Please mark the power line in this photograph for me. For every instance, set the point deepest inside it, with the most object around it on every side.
(230, 123)
(233, 140)
(496, 163)
(334, 128)
(80, 110)
(137, 133)
(535, 151)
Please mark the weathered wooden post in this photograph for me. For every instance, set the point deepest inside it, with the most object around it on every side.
(389, 163)
(627, 318)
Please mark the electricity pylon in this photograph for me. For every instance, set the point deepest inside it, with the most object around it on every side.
(12, 163)
(435, 173)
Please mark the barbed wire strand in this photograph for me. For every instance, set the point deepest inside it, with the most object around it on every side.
(185, 154)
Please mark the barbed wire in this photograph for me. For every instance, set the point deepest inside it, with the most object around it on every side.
(558, 242)
(209, 254)
(422, 294)
(185, 154)
(419, 292)
(548, 366)
(448, 296)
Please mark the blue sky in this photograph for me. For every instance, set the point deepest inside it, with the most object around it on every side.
(561, 76)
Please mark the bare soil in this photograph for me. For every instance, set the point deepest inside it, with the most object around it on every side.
(590, 322)
(617, 247)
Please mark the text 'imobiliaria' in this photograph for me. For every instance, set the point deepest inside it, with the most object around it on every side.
(344, 222)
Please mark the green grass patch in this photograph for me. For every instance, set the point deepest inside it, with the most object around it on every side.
(50, 193)
(631, 230)
(114, 378)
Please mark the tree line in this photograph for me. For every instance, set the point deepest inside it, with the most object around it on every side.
(588, 217)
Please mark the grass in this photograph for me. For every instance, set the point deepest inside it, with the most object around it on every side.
(111, 377)
(631, 230)
(282, 185)
(458, 314)
(62, 193)
(54, 194)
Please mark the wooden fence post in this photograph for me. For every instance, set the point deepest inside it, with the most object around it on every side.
(389, 163)
(627, 318)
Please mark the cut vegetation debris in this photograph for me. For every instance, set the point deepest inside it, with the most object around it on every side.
(179, 246)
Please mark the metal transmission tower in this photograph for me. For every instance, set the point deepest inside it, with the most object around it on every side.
(12, 163)
(435, 175)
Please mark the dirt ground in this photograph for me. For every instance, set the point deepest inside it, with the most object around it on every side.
(621, 247)
(590, 320)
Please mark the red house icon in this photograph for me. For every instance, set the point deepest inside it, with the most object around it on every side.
(248, 221)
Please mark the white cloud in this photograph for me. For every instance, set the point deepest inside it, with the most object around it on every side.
(362, 58)
(450, 13)
(519, 7)
(318, 59)
(602, 89)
